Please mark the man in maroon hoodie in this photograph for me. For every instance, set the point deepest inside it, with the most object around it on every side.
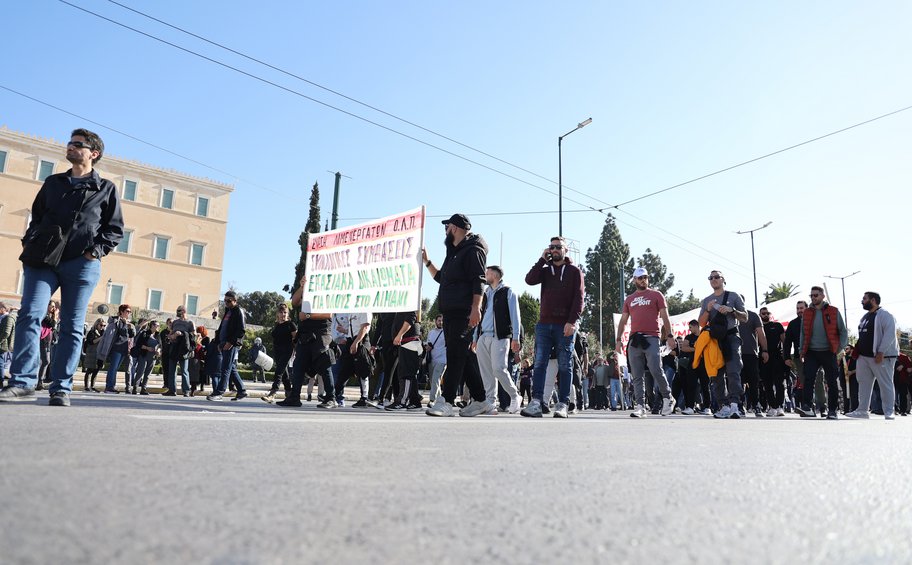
(561, 305)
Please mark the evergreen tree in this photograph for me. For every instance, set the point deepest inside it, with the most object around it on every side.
(677, 304)
(612, 253)
(312, 226)
(657, 272)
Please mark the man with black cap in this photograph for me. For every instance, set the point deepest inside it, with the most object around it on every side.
(461, 278)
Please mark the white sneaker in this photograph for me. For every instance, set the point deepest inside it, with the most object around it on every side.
(561, 410)
(735, 413)
(706, 412)
(532, 410)
(638, 412)
(440, 408)
(772, 413)
(668, 406)
(780, 412)
(724, 413)
(858, 414)
(476, 408)
(688, 412)
(513, 408)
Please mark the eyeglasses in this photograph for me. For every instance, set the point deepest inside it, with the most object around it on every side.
(815, 295)
(555, 247)
(80, 145)
(713, 277)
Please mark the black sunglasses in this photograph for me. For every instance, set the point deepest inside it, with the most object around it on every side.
(80, 145)
(555, 247)
(713, 277)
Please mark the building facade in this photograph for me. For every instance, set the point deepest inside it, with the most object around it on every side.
(174, 229)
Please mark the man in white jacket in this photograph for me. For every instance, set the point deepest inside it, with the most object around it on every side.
(877, 349)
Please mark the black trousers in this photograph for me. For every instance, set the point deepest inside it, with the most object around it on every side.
(684, 384)
(281, 372)
(462, 364)
(902, 396)
(390, 356)
(773, 374)
(408, 377)
(814, 360)
(750, 376)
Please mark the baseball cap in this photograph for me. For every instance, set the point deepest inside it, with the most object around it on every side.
(640, 272)
(460, 221)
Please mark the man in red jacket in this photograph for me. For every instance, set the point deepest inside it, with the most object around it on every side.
(561, 306)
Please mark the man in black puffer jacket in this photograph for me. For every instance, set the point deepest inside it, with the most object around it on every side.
(461, 278)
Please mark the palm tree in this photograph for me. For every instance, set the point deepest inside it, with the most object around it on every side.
(778, 291)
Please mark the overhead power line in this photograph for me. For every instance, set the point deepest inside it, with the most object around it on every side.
(343, 95)
(317, 101)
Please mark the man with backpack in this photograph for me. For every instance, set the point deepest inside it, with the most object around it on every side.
(181, 346)
(723, 311)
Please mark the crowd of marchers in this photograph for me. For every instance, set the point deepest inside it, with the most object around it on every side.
(732, 363)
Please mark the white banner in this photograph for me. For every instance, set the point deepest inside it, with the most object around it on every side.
(371, 267)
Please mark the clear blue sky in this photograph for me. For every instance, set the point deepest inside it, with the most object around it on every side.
(676, 90)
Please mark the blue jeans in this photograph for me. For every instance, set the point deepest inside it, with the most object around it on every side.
(171, 375)
(4, 361)
(142, 368)
(114, 360)
(548, 337)
(229, 371)
(616, 395)
(76, 278)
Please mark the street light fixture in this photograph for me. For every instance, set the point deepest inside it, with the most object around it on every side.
(753, 258)
(560, 184)
(845, 310)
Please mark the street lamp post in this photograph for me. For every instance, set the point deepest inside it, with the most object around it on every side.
(753, 258)
(845, 310)
(560, 184)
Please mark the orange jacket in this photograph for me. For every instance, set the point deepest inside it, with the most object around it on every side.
(708, 348)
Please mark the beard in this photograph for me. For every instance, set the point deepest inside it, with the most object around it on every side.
(866, 305)
(448, 240)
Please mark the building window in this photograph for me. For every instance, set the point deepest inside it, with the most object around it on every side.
(192, 304)
(155, 299)
(160, 251)
(167, 200)
(2, 161)
(196, 253)
(45, 169)
(124, 245)
(129, 192)
(202, 206)
(116, 294)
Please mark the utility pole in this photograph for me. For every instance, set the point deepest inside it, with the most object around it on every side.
(845, 311)
(601, 339)
(335, 213)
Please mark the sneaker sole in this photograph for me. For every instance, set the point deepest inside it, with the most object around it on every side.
(30, 398)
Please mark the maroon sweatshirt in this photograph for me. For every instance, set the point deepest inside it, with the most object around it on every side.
(562, 291)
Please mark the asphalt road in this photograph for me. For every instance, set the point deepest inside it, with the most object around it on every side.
(117, 479)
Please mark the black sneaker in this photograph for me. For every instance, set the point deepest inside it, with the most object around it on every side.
(806, 412)
(143, 392)
(360, 404)
(289, 403)
(240, 396)
(269, 397)
(327, 405)
(59, 399)
(413, 407)
(395, 406)
(16, 394)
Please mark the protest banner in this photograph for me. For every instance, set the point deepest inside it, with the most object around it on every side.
(371, 267)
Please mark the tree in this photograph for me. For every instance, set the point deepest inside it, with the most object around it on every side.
(261, 307)
(612, 253)
(779, 291)
(529, 312)
(677, 304)
(312, 226)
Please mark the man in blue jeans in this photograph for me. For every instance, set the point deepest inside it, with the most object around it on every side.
(230, 334)
(85, 210)
(562, 296)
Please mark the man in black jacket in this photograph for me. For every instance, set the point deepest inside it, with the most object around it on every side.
(461, 279)
(76, 220)
(230, 334)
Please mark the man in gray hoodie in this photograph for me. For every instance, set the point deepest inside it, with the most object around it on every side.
(877, 349)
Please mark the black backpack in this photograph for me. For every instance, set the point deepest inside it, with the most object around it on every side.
(718, 326)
